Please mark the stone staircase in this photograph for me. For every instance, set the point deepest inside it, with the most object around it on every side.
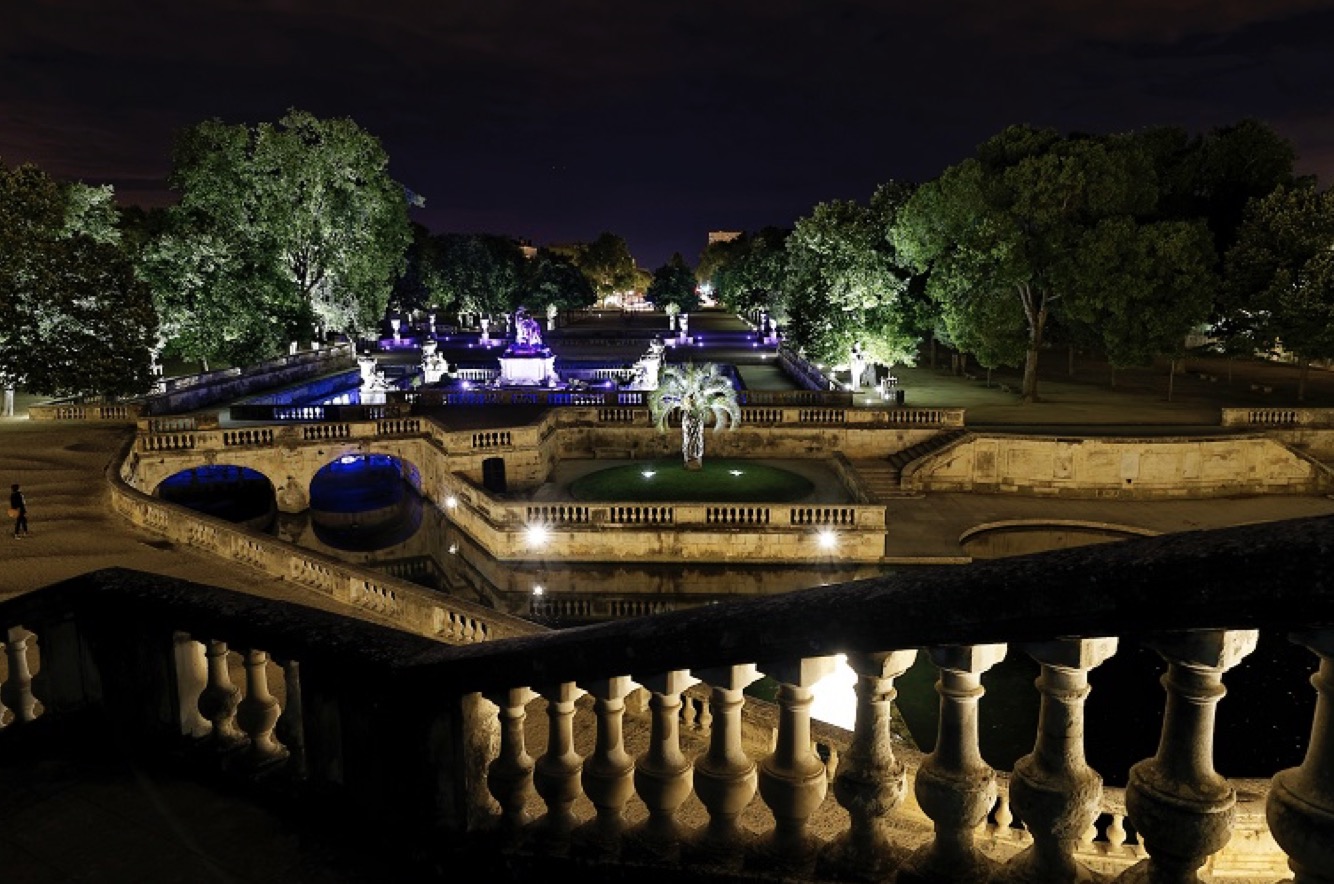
(882, 478)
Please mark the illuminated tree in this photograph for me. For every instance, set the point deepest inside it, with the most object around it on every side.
(1282, 270)
(674, 283)
(74, 319)
(697, 393)
(307, 201)
(608, 264)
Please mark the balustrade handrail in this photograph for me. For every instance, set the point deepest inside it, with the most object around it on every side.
(1277, 575)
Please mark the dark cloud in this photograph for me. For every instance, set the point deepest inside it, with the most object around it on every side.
(659, 121)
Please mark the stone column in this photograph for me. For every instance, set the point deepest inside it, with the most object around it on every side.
(725, 777)
(191, 669)
(557, 772)
(870, 781)
(954, 786)
(608, 774)
(219, 699)
(662, 774)
(509, 778)
(291, 726)
(793, 780)
(1300, 807)
(1181, 807)
(1054, 791)
(257, 714)
(16, 693)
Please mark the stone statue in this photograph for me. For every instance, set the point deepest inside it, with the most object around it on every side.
(527, 331)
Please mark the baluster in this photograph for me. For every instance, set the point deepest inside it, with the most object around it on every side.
(725, 777)
(258, 712)
(870, 781)
(16, 693)
(556, 773)
(662, 774)
(509, 777)
(608, 774)
(793, 780)
(291, 726)
(1300, 807)
(1180, 806)
(1116, 833)
(954, 786)
(1054, 792)
(191, 680)
(218, 701)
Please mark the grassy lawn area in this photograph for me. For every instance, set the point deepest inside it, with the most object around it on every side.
(721, 480)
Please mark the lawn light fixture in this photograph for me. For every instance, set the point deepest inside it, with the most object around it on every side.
(735, 472)
(649, 474)
(538, 589)
(827, 538)
(538, 534)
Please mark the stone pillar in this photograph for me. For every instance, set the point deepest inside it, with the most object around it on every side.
(16, 693)
(725, 777)
(291, 726)
(793, 780)
(219, 699)
(1055, 793)
(870, 781)
(1181, 807)
(954, 786)
(257, 714)
(662, 773)
(1300, 807)
(509, 778)
(191, 669)
(608, 774)
(557, 772)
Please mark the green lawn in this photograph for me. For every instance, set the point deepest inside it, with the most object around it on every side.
(721, 480)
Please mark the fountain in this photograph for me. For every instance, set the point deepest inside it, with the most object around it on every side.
(527, 362)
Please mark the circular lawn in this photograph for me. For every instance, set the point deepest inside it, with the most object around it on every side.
(721, 480)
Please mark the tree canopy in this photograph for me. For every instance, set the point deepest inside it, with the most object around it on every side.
(674, 283)
(307, 212)
(608, 264)
(74, 319)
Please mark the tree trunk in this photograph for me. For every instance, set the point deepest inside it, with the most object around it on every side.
(933, 352)
(1112, 368)
(1171, 377)
(1301, 379)
(1030, 387)
(692, 440)
(988, 377)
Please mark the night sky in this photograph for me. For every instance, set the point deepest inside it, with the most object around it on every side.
(658, 121)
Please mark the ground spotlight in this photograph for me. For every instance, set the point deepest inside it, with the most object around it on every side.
(538, 534)
(827, 538)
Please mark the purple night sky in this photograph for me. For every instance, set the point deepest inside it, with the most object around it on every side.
(658, 121)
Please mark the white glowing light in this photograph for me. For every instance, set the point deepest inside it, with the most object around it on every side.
(451, 501)
(828, 539)
(735, 472)
(538, 590)
(348, 459)
(537, 534)
(453, 549)
(648, 474)
(835, 696)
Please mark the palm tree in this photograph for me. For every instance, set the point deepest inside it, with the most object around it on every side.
(697, 391)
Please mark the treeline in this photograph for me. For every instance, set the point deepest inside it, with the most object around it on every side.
(1124, 244)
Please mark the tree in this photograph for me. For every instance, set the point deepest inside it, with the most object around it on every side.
(608, 265)
(845, 282)
(551, 278)
(478, 272)
(73, 317)
(674, 283)
(750, 272)
(307, 201)
(697, 392)
(1014, 222)
(1282, 269)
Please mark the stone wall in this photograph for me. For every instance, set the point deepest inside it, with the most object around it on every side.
(1122, 468)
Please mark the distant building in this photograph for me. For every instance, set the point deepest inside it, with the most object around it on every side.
(723, 236)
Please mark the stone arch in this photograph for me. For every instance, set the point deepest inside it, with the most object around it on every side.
(236, 492)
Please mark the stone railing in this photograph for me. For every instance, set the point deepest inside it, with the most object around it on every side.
(438, 735)
(117, 412)
(1278, 417)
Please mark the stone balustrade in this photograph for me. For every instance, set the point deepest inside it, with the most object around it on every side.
(1265, 418)
(652, 755)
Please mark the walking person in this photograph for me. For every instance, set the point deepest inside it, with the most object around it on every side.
(18, 510)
